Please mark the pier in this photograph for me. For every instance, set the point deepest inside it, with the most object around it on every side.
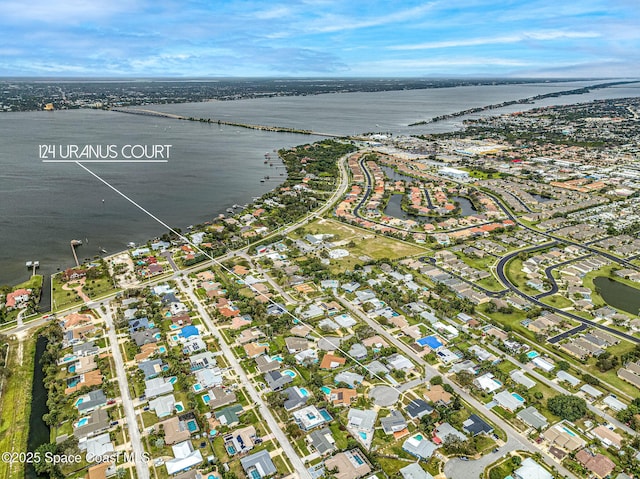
(75, 243)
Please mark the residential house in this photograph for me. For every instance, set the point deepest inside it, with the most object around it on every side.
(322, 441)
(601, 466)
(445, 430)
(276, 380)
(309, 418)
(475, 425)
(185, 457)
(393, 423)
(533, 418)
(414, 471)
(530, 469)
(350, 464)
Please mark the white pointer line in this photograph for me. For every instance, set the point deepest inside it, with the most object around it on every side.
(104, 161)
(230, 272)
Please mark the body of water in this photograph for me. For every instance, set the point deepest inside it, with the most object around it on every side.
(43, 206)
(618, 294)
(38, 430)
(212, 167)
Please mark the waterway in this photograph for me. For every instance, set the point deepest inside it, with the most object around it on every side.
(38, 430)
(618, 295)
(43, 206)
(212, 167)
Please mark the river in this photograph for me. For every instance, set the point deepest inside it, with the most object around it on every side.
(618, 295)
(212, 167)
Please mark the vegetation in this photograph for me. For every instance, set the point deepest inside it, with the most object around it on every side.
(567, 407)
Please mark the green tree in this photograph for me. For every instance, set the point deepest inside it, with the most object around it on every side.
(567, 407)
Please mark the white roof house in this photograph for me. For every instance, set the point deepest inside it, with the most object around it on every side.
(185, 457)
(530, 469)
(521, 378)
(487, 382)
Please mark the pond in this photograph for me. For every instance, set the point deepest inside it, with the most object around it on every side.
(394, 209)
(618, 295)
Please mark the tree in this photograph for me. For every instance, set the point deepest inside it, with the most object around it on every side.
(563, 365)
(589, 379)
(435, 380)
(567, 407)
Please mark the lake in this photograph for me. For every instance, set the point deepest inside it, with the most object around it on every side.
(618, 295)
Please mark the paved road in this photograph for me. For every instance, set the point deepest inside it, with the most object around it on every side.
(542, 379)
(263, 409)
(142, 468)
(460, 469)
(552, 280)
(500, 272)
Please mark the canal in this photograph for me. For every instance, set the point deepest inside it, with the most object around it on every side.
(38, 430)
(618, 295)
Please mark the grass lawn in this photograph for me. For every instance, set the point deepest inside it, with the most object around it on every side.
(502, 469)
(338, 435)
(15, 405)
(35, 282)
(557, 300)
(392, 466)
(366, 243)
(517, 277)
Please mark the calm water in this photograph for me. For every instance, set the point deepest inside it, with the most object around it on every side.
(44, 206)
(391, 111)
(38, 429)
(618, 294)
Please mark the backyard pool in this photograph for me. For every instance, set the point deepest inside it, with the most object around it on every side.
(173, 379)
(174, 326)
(277, 357)
(157, 336)
(197, 387)
(533, 354)
(363, 435)
(82, 422)
(179, 407)
(72, 369)
(193, 427)
(569, 431)
(79, 401)
(289, 373)
(325, 390)
(419, 437)
(206, 398)
(517, 396)
(162, 349)
(304, 392)
(325, 415)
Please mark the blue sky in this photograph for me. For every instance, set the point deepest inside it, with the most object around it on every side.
(184, 38)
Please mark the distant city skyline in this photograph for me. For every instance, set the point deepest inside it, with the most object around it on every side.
(244, 38)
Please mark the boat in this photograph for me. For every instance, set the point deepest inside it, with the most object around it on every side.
(262, 180)
(265, 162)
(236, 206)
(102, 250)
(229, 210)
(131, 245)
(76, 242)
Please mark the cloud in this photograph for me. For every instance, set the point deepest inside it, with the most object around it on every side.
(544, 35)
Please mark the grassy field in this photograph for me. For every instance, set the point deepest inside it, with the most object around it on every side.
(364, 243)
(557, 300)
(15, 404)
(517, 277)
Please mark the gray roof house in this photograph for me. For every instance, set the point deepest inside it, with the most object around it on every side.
(419, 447)
(97, 422)
(532, 417)
(145, 336)
(151, 368)
(414, 471)
(259, 464)
(163, 406)
(349, 378)
(394, 422)
(295, 398)
(358, 351)
(85, 349)
(157, 387)
(322, 441)
(276, 380)
(418, 408)
(92, 400)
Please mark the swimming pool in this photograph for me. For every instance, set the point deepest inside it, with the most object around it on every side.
(174, 326)
(152, 325)
(533, 354)
(179, 407)
(517, 396)
(231, 450)
(277, 357)
(289, 373)
(173, 379)
(363, 435)
(72, 369)
(569, 431)
(197, 387)
(162, 349)
(304, 392)
(358, 459)
(157, 335)
(325, 390)
(174, 337)
(79, 401)
(419, 437)
(206, 398)
(82, 422)
(325, 415)
(193, 427)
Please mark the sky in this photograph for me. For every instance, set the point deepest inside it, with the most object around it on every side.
(320, 38)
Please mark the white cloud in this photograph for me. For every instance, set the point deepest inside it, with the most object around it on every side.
(543, 35)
